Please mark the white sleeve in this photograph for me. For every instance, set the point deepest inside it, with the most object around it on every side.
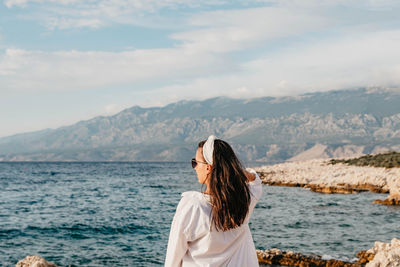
(256, 185)
(179, 235)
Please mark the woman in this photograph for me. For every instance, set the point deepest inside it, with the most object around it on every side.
(211, 228)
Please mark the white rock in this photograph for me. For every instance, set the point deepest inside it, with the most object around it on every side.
(34, 261)
(386, 255)
(320, 172)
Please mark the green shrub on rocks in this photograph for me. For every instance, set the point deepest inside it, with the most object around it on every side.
(386, 160)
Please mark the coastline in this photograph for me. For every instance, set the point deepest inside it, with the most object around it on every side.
(382, 254)
(320, 176)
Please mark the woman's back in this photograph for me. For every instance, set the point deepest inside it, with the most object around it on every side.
(194, 240)
(211, 228)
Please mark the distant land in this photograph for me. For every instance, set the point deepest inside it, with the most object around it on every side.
(343, 123)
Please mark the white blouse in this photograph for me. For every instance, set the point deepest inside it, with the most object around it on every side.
(191, 243)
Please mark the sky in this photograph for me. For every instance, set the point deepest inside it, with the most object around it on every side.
(62, 61)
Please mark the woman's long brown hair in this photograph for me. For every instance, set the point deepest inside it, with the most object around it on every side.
(229, 192)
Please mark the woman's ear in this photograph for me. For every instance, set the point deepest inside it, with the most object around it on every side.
(209, 169)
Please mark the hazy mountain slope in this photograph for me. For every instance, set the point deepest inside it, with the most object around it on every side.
(269, 129)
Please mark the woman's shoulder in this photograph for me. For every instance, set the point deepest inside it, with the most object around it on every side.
(195, 205)
(195, 197)
(192, 214)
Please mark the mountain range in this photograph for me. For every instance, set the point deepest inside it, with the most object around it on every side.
(341, 123)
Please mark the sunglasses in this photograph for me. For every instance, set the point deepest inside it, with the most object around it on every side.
(194, 163)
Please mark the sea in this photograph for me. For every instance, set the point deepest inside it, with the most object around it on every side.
(119, 214)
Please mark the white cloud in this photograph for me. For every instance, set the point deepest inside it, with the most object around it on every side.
(201, 54)
(76, 70)
(225, 31)
(372, 4)
(63, 14)
(357, 60)
(138, 4)
(201, 60)
(65, 23)
(370, 59)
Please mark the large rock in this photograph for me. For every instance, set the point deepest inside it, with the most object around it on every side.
(34, 261)
(394, 187)
(320, 176)
(386, 254)
(394, 190)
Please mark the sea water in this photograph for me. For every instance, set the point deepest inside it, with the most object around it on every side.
(119, 214)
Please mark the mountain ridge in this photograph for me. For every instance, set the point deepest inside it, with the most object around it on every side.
(364, 117)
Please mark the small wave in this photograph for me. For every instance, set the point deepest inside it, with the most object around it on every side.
(327, 257)
(9, 234)
(341, 258)
(52, 173)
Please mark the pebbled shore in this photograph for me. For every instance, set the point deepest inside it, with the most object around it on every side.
(322, 177)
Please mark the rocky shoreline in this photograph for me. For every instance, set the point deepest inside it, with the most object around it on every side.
(289, 258)
(381, 255)
(323, 177)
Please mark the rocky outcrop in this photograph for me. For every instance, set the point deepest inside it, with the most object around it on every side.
(34, 261)
(346, 188)
(388, 201)
(365, 256)
(394, 197)
(289, 258)
(386, 254)
(320, 176)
